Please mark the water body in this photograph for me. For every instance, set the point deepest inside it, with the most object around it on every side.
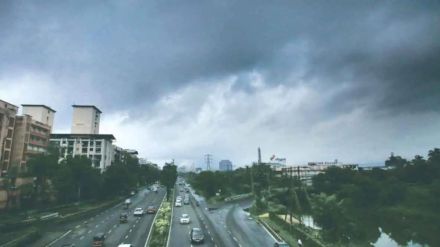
(377, 237)
(385, 240)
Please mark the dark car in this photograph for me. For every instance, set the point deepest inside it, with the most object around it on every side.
(98, 240)
(196, 236)
(186, 201)
(281, 244)
(123, 218)
(151, 210)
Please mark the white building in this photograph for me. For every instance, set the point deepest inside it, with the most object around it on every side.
(97, 147)
(306, 172)
(85, 119)
(40, 113)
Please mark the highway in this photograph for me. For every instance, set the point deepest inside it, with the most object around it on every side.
(135, 231)
(180, 233)
(228, 225)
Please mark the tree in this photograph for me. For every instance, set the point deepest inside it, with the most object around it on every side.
(168, 177)
(396, 161)
(43, 167)
(434, 157)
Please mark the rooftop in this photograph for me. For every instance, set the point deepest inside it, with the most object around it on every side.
(87, 106)
(33, 105)
(92, 136)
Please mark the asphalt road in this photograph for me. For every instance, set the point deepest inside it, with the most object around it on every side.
(135, 231)
(231, 226)
(180, 233)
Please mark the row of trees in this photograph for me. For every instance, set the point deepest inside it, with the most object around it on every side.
(75, 179)
(281, 194)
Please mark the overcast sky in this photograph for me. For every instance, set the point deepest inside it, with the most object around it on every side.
(305, 80)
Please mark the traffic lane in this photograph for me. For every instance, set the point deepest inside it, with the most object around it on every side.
(180, 233)
(104, 222)
(139, 234)
(218, 222)
(124, 233)
(246, 230)
(215, 220)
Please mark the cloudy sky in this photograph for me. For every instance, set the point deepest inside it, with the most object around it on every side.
(308, 81)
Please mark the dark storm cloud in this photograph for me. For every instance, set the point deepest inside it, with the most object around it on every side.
(384, 55)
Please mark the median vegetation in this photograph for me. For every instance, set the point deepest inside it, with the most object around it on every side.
(161, 226)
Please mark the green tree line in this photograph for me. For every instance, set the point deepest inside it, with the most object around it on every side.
(402, 199)
(75, 179)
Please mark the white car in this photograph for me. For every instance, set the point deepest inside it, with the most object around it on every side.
(184, 219)
(138, 212)
(178, 204)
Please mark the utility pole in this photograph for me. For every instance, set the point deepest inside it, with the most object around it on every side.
(208, 160)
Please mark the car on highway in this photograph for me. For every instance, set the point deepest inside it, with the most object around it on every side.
(98, 240)
(138, 212)
(151, 210)
(178, 204)
(125, 245)
(123, 217)
(184, 219)
(196, 235)
(186, 201)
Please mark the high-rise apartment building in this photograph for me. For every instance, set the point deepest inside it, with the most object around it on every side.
(85, 139)
(31, 137)
(225, 165)
(40, 113)
(8, 113)
(98, 148)
(85, 119)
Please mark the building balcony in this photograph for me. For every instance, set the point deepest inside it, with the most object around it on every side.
(38, 143)
(40, 134)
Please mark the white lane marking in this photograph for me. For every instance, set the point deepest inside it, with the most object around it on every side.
(89, 231)
(109, 231)
(78, 226)
(130, 230)
(81, 238)
(96, 226)
(126, 236)
(115, 226)
(56, 240)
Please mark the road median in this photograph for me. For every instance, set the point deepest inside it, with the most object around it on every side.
(159, 231)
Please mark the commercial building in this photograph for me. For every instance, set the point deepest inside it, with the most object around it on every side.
(97, 147)
(85, 119)
(225, 165)
(8, 113)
